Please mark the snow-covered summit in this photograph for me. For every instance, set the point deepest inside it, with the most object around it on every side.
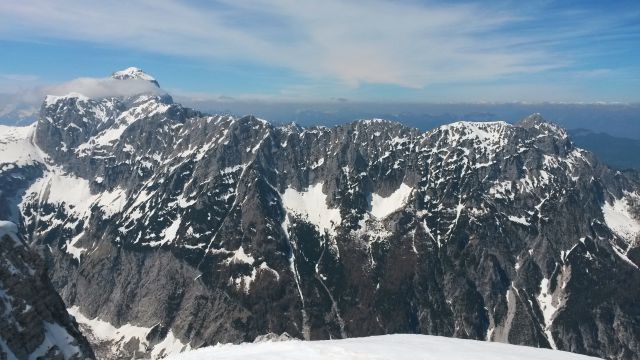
(536, 120)
(53, 99)
(379, 347)
(496, 131)
(134, 73)
(533, 119)
(473, 126)
(483, 134)
(127, 85)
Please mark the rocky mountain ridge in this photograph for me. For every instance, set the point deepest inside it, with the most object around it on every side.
(34, 322)
(194, 229)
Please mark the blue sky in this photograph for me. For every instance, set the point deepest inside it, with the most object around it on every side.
(284, 50)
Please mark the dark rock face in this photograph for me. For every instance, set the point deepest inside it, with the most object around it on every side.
(220, 229)
(34, 321)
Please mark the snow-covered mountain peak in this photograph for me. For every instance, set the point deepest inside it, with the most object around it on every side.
(134, 73)
(379, 347)
(483, 134)
(533, 119)
(498, 132)
(51, 100)
(475, 126)
(127, 86)
(538, 122)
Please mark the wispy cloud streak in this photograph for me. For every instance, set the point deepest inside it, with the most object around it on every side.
(353, 42)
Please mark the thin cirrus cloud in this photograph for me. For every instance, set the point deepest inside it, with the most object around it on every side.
(352, 42)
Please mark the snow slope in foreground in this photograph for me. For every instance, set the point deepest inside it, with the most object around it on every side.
(379, 347)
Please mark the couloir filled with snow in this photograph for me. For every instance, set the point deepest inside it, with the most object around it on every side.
(619, 218)
(386, 347)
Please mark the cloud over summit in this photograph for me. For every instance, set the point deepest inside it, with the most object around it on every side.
(102, 87)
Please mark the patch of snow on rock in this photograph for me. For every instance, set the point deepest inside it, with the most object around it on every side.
(519, 219)
(59, 188)
(382, 207)
(118, 338)
(312, 205)
(240, 257)
(9, 228)
(619, 218)
(56, 336)
(17, 147)
(169, 233)
(112, 202)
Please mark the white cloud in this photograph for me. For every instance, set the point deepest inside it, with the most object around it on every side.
(27, 97)
(102, 87)
(89, 87)
(353, 42)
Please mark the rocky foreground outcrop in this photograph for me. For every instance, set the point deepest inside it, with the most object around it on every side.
(34, 323)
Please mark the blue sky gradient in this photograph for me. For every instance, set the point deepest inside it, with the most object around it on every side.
(572, 51)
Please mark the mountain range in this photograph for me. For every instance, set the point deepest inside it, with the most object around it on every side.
(165, 229)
